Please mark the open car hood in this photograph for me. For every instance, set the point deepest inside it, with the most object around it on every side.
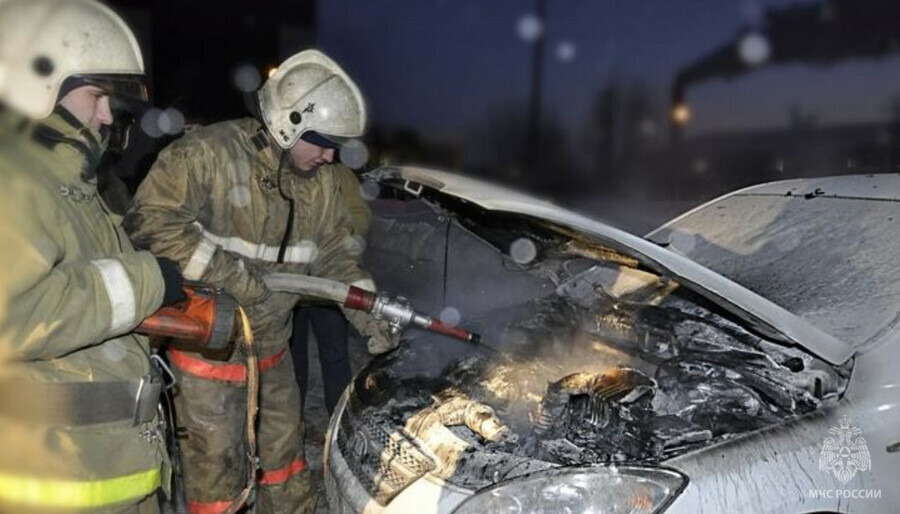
(764, 316)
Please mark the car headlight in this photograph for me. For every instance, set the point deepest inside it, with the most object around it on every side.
(594, 489)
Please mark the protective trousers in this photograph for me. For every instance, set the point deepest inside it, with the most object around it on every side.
(211, 409)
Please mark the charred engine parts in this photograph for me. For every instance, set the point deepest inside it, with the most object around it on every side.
(461, 411)
(590, 399)
(671, 377)
(604, 370)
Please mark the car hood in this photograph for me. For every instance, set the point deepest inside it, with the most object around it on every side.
(764, 316)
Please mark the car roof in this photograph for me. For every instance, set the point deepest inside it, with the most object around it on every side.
(824, 248)
(762, 314)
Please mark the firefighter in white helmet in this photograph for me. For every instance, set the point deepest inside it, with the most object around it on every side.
(231, 202)
(78, 395)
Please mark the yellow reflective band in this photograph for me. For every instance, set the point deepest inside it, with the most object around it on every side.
(62, 493)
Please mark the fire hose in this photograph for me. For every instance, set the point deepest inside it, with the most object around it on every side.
(206, 320)
(252, 408)
(397, 312)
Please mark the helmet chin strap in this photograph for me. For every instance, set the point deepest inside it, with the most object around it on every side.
(285, 158)
(90, 142)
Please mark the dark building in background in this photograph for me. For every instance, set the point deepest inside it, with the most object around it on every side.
(193, 48)
(821, 34)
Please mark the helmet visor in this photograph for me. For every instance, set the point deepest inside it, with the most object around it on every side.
(324, 140)
(125, 87)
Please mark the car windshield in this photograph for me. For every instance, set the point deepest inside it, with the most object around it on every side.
(828, 257)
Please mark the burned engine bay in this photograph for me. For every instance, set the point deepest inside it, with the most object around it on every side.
(593, 360)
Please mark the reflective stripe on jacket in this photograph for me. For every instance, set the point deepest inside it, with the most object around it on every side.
(70, 494)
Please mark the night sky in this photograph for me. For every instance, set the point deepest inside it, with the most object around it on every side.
(448, 85)
(442, 66)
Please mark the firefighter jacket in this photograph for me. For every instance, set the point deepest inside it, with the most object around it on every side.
(72, 289)
(218, 201)
(357, 208)
(360, 215)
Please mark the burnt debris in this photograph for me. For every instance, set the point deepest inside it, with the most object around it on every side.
(587, 377)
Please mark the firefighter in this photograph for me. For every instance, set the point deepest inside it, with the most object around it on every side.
(79, 429)
(231, 202)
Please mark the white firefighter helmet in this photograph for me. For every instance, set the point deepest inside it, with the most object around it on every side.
(45, 42)
(310, 93)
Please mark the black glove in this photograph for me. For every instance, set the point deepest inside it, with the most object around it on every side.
(173, 280)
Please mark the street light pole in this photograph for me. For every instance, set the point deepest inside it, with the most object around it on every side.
(532, 141)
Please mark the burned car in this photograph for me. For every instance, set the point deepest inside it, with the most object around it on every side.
(737, 359)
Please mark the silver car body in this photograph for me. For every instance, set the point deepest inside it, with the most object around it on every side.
(775, 470)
